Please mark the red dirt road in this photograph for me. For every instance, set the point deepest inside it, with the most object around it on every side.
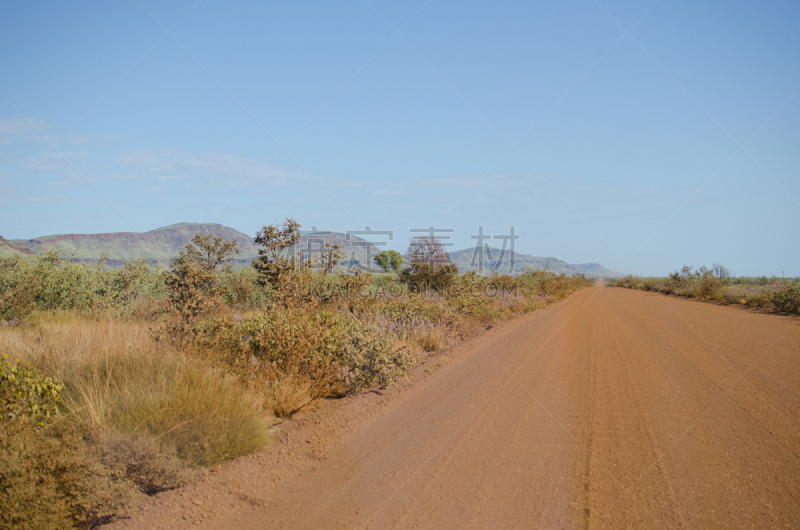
(614, 408)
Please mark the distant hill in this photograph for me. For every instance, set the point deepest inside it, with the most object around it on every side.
(159, 246)
(469, 259)
(9, 249)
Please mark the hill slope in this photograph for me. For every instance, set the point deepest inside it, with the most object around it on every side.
(469, 259)
(9, 249)
(159, 246)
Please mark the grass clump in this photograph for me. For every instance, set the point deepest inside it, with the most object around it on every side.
(192, 410)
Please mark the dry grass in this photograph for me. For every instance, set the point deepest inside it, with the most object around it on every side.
(136, 417)
(431, 342)
(185, 405)
(118, 378)
(53, 342)
(286, 395)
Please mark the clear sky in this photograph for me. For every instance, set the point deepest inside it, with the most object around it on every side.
(640, 135)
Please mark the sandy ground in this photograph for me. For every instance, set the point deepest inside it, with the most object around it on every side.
(614, 408)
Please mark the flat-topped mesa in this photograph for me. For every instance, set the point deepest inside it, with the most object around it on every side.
(13, 247)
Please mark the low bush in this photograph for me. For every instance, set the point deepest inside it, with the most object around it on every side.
(708, 287)
(370, 357)
(27, 393)
(242, 290)
(295, 355)
(66, 473)
(787, 298)
(18, 289)
(50, 477)
(280, 349)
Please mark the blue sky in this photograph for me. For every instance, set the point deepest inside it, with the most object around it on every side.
(640, 135)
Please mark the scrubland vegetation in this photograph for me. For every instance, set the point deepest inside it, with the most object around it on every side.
(717, 285)
(118, 383)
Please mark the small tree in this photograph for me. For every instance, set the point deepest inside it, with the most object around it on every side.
(389, 260)
(272, 262)
(211, 253)
(427, 251)
(721, 271)
(189, 298)
(429, 265)
(331, 257)
(191, 284)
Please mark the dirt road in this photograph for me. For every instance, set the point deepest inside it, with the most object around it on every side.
(614, 408)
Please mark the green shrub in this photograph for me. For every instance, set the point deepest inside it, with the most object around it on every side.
(370, 358)
(18, 289)
(296, 355)
(787, 298)
(134, 290)
(484, 307)
(709, 287)
(286, 354)
(389, 260)
(64, 285)
(423, 276)
(27, 393)
(241, 289)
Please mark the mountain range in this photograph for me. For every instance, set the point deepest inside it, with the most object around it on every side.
(159, 246)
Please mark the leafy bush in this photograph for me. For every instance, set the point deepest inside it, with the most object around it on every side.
(53, 283)
(63, 285)
(787, 298)
(422, 276)
(134, 290)
(709, 286)
(389, 260)
(241, 289)
(295, 355)
(18, 289)
(27, 393)
(66, 473)
(370, 358)
(287, 354)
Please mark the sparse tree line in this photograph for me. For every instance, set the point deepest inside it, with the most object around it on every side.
(717, 284)
(118, 383)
